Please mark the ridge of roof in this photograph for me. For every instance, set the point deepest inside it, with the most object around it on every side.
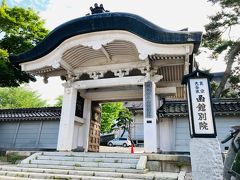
(43, 113)
(180, 107)
(103, 22)
(170, 108)
(30, 109)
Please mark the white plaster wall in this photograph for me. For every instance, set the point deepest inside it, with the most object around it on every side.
(119, 132)
(223, 125)
(174, 132)
(75, 136)
(80, 141)
(182, 136)
(167, 134)
(137, 127)
(78, 136)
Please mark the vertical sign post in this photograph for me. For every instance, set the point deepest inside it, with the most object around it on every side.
(200, 108)
(149, 113)
(206, 158)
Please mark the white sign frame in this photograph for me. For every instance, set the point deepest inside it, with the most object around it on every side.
(201, 118)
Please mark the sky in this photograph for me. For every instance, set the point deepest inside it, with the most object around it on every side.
(169, 14)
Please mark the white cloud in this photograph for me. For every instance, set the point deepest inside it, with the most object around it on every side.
(169, 14)
(207, 63)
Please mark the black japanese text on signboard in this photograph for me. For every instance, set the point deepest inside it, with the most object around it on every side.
(148, 100)
(201, 106)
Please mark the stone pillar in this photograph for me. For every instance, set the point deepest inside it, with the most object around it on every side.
(150, 117)
(206, 159)
(66, 126)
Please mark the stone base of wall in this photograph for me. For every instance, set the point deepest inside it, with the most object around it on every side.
(206, 159)
(168, 163)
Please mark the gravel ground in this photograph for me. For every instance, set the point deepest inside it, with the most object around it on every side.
(120, 149)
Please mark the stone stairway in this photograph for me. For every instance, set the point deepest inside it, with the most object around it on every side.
(81, 166)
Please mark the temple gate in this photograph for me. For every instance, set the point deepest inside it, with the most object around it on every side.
(111, 57)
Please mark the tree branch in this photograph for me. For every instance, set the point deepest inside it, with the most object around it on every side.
(232, 53)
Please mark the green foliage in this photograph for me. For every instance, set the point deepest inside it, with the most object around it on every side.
(235, 79)
(124, 118)
(114, 114)
(236, 164)
(180, 164)
(218, 37)
(109, 114)
(20, 97)
(59, 101)
(77, 165)
(221, 22)
(20, 30)
(226, 93)
(13, 158)
(3, 158)
(5, 67)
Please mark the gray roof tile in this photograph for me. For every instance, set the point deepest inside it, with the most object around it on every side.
(180, 108)
(44, 113)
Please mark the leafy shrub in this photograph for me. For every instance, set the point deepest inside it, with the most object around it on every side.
(13, 158)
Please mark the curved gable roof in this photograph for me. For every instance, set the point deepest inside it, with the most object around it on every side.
(108, 21)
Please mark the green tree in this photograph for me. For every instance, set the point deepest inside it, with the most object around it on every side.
(59, 101)
(109, 114)
(20, 30)
(218, 38)
(226, 93)
(113, 114)
(124, 120)
(20, 97)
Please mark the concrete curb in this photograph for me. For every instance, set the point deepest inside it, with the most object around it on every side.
(181, 175)
(30, 158)
(142, 162)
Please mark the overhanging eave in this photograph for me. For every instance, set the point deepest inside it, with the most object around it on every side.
(104, 22)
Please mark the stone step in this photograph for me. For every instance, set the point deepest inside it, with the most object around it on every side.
(33, 173)
(97, 169)
(85, 164)
(88, 159)
(91, 155)
(74, 172)
(15, 178)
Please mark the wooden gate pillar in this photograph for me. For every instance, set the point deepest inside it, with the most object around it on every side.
(94, 131)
